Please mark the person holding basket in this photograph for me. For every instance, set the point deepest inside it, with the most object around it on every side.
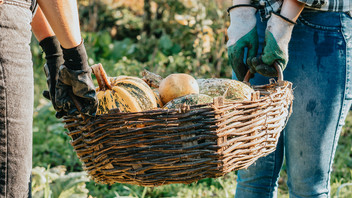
(71, 74)
(311, 40)
(67, 70)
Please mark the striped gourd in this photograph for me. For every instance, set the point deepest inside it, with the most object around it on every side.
(129, 94)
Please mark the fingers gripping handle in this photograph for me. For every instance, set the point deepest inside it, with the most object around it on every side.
(280, 75)
(77, 104)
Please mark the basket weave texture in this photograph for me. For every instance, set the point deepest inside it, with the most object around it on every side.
(182, 145)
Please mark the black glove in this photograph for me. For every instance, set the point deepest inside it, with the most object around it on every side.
(54, 58)
(74, 77)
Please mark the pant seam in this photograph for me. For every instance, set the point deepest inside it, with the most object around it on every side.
(5, 130)
(272, 174)
(274, 179)
(347, 55)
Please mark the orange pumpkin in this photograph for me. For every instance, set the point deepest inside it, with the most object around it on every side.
(177, 85)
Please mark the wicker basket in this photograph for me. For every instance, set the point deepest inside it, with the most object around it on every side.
(181, 145)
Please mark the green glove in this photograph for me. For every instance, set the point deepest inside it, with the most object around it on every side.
(277, 36)
(242, 34)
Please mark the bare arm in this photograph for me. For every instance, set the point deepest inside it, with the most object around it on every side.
(291, 9)
(63, 18)
(40, 26)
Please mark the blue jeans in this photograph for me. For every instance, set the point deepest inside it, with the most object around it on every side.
(320, 68)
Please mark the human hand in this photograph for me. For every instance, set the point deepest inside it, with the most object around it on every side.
(242, 33)
(74, 77)
(277, 36)
(80, 84)
(54, 58)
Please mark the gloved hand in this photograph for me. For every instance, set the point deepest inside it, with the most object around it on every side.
(242, 33)
(277, 36)
(54, 58)
(74, 77)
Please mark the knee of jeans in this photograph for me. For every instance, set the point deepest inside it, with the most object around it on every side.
(245, 192)
(311, 183)
(294, 194)
(258, 178)
(264, 172)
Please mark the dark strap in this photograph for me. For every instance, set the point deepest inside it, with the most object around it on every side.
(240, 5)
(284, 18)
(34, 6)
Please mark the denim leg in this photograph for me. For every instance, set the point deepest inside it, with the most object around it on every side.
(260, 179)
(320, 69)
(321, 77)
(16, 100)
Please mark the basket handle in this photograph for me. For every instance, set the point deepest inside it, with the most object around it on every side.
(77, 104)
(280, 76)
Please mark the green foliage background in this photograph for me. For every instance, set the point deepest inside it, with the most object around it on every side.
(167, 37)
